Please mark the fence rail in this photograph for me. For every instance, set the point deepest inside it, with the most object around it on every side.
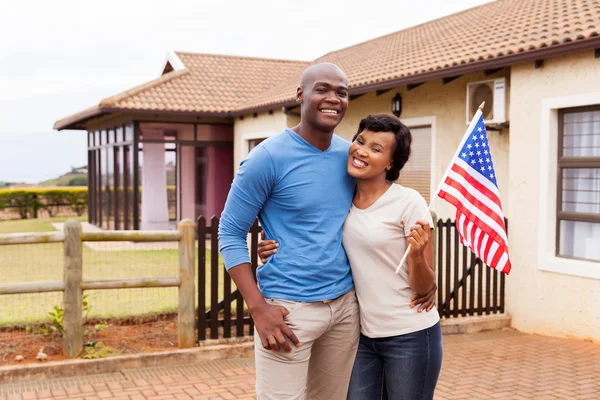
(73, 284)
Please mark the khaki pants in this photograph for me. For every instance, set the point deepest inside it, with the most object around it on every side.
(320, 368)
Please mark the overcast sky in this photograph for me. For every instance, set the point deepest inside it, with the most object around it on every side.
(59, 57)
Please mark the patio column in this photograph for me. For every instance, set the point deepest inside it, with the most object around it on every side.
(155, 211)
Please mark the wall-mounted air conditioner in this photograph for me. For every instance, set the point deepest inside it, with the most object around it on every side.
(495, 94)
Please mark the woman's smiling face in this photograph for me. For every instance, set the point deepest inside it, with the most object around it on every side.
(370, 154)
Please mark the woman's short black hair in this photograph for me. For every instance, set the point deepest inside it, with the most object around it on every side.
(389, 123)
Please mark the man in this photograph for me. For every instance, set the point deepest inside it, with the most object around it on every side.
(297, 184)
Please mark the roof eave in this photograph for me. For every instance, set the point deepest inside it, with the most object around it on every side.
(461, 69)
(76, 122)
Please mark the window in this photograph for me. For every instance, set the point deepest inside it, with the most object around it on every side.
(252, 143)
(578, 205)
(416, 174)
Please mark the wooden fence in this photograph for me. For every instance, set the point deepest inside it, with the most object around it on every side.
(220, 316)
(73, 284)
(465, 285)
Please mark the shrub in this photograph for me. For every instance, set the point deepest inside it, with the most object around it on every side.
(29, 201)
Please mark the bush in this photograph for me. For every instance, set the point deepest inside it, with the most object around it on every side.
(29, 201)
(78, 181)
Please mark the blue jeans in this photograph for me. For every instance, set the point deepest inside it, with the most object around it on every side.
(403, 367)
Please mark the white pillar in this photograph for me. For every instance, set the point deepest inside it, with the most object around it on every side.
(155, 211)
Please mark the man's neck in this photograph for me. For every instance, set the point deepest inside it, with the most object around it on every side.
(317, 138)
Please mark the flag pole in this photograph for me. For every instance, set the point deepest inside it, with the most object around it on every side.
(460, 146)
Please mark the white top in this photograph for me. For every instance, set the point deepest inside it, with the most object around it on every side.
(375, 241)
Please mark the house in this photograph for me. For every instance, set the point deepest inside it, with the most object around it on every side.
(163, 151)
(537, 61)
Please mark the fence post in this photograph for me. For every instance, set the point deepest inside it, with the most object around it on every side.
(73, 313)
(186, 318)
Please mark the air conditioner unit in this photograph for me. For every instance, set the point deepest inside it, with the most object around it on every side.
(495, 94)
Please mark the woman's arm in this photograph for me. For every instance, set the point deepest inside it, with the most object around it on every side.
(421, 276)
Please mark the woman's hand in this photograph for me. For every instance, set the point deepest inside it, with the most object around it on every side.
(421, 277)
(266, 248)
(420, 235)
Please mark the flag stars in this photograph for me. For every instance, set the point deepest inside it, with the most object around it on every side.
(483, 144)
(485, 152)
(491, 176)
(481, 161)
(469, 146)
(478, 152)
(471, 153)
(482, 169)
(480, 129)
(474, 137)
(487, 160)
(476, 145)
(464, 155)
(473, 162)
(481, 136)
(489, 167)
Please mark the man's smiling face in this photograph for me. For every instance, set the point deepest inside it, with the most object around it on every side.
(324, 96)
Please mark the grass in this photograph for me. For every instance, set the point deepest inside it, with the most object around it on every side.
(43, 262)
(33, 225)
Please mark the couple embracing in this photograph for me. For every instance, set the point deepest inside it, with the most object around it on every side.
(332, 318)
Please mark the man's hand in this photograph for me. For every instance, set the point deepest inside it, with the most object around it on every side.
(426, 301)
(266, 248)
(272, 329)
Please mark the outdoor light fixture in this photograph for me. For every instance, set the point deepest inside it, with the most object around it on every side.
(397, 105)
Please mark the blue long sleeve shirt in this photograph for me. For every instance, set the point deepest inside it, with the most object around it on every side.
(301, 196)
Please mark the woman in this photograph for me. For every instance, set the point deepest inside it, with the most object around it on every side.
(400, 349)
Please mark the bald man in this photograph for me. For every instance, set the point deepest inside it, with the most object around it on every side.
(304, 307)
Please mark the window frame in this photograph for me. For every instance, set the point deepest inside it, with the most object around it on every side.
(546, 179)
(572, 162)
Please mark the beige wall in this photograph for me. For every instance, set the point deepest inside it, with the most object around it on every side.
(540, 301)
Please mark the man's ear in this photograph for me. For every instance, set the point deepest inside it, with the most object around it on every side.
(299, 95)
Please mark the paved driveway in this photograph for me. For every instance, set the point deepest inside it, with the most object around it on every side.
(493, 365)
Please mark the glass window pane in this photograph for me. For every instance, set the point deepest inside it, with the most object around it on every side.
(129, 132)
(103, 188)
(110, 217)
(171, 173)
(580, 240)
(120, 134)
(581, 134)
(118, 188)
(581, 190)
(252, 143)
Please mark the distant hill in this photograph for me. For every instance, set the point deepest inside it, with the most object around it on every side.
(8, 185)
(75, 177)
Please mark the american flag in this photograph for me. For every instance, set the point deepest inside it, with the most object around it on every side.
(470, 185)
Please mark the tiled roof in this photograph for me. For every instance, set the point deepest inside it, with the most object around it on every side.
(495, 32)
(211, 84)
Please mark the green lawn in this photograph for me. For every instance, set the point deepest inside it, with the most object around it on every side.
(40, 262)
(33, 225)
